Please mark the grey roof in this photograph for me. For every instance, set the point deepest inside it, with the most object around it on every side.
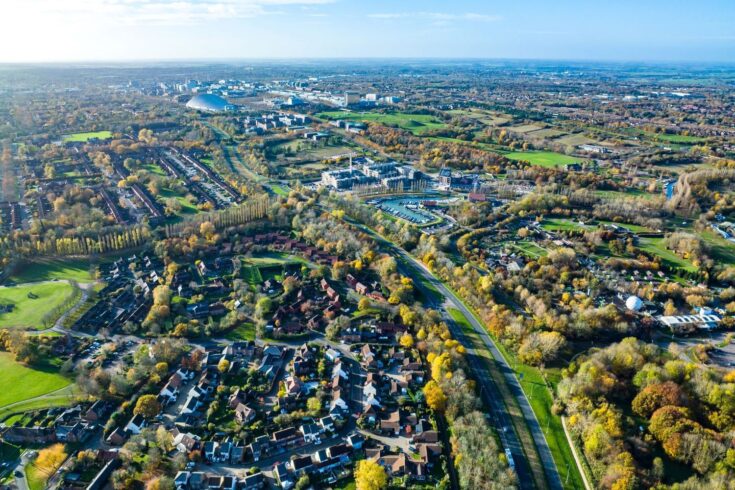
(209, 102)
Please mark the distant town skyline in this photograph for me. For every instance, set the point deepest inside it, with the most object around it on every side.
(135, 30)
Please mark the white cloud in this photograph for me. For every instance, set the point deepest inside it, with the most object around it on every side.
(134, 12)
(438, 16)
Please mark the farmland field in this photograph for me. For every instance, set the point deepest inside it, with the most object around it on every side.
(19, 383)
(76, 137)
(525, 128)
(576, 139)
(545, 133)
(675, 138)
(543, 158)
(485, 117)
(31, 302)
(416, 123)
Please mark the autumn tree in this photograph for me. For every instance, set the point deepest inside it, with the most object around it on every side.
(147, 406)
(435, 397)
(50, 459)
(369, 475)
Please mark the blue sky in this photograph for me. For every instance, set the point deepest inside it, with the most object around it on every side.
(642, 30)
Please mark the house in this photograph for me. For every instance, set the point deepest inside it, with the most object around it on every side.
(237, 456)
(311, 433)
(95, 412)
(392, 424)
(185, 442)
(301, 464)
(237, 398)
(283, 476)
(116, 438)
(244, 414)
(286, 437)
(355, 441)
(340, 451)
(135, 425)
(293, 386)
(170, 392)
(332, 355)
(367, 357)
(327, 424)
(259, 447)
(253, 482)
(338, 404)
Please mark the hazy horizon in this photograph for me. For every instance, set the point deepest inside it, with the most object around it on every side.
(43, 31)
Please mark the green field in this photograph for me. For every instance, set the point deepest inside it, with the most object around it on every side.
(416, 123)
(246, 331)
(625, 194)
(676, 138)
(187, 208)
(76, 137)
(531, 250)
(19, 383)
(280, 189)
(628, 226)
(563, 224)
(543, 158)
(251, 273)
(28, 312)
(656, 246)
(52, 269)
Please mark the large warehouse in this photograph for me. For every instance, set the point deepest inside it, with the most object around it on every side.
(209, 103)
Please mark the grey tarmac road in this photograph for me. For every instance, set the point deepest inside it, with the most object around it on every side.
(489, 391)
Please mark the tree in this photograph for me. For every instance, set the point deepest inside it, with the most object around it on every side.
(49, 459)
(655, 396)
(263, 307)
(160, 483)
(147, 406)
(435, 397)
(363, 304)
(223, 365)
(369, 475)
(406, 340)
(314, 405)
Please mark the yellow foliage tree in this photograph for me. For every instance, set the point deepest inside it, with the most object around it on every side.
(369, 475)
(435, 397)
(49, 459)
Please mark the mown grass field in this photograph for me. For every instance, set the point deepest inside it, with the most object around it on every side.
(543, 158)
(246, 331)
(530, 249)
(76, 137)
(416, 123)
(279, 189)
(563, 224)
(675, 138)
(28, 312)
(657, 247)
(19, 383)
(52, 269)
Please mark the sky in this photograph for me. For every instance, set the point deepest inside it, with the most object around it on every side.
(133, 30)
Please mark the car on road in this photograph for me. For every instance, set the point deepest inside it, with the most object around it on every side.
(18, 474)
